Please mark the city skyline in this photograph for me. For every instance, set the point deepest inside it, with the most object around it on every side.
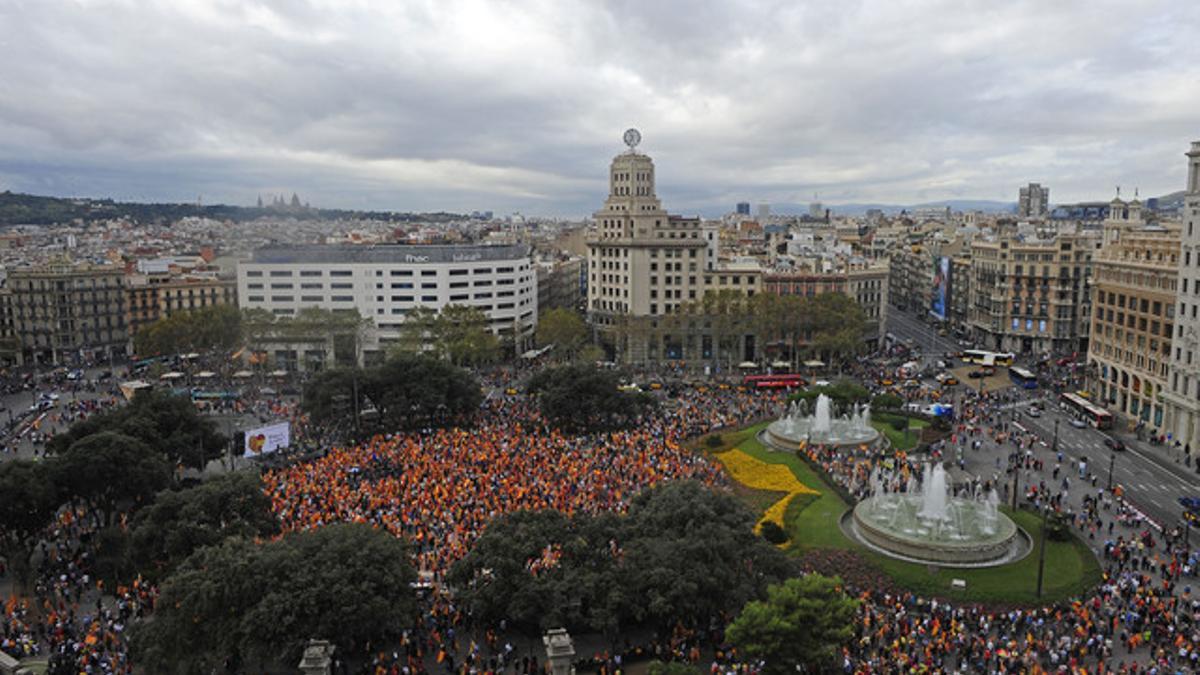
(466, 106)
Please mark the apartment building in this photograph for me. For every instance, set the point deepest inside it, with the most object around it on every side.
(154, 296)
(65, 313)
(1031, 295)
(1133, 298)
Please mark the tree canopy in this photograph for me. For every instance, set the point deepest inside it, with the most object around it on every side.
(167, 423)
(110, 468)
(347, 583)
(802, 624)
(28, 500)
(582, 397)
(564, 329)
(407, 391)
(181, 521)
(458, 334)
(684, 553)
(218, 327)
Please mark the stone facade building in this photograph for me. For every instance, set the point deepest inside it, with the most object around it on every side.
(1182, 396)
(1031, 296)
(66, 313)
(1133, 297)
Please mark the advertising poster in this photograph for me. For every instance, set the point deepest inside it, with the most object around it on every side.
(941, 288)
(265, 440)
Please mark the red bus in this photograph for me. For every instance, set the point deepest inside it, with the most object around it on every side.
(778, 381)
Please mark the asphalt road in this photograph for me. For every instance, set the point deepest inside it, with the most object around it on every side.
(1153, 484)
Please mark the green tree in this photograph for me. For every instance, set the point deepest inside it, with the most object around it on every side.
(802, 625)
(463, 336)
(181, 521)
(684, 552)
(217, 327)
(582, 397)
(408, 391)
(564, 329)
(347, 583)
(838, 325)
(108, 469)
(167, 423)
(28, 500)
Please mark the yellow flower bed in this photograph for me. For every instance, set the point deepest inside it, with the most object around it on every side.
(762, 476)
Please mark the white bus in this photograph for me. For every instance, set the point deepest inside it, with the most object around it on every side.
(988, 358)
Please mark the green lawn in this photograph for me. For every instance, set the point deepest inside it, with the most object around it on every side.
(1070, 570)
(901, 440)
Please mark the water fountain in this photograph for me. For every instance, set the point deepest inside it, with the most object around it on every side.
(926, 523)
(794, 429)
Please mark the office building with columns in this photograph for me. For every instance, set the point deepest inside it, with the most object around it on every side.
(1182, 395)
(1133, 296)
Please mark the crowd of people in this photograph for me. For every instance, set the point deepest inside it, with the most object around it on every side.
(440, 488)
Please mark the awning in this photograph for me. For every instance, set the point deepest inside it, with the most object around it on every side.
(170, 376)
(746, 365)
(781, 364)
(814, 364)
(279, 373)
(193, 355)
(205, 374)
(243, 373)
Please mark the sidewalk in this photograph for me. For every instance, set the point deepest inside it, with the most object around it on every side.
(1163, 455)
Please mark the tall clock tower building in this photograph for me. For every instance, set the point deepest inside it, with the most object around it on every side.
(643, 263)
(1182, 395)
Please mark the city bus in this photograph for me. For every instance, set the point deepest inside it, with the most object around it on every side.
(1022, 378)
(777, 381)
(987, 358)
(1090, 412)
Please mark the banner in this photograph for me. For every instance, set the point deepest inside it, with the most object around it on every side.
(264, 440)
(941, 288)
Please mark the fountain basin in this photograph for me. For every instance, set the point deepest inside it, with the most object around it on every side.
(968, 535)
(790, 435)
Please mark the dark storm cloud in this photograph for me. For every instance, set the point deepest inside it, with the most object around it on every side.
(519, 105)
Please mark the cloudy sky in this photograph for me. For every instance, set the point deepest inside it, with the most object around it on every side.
(439, 104)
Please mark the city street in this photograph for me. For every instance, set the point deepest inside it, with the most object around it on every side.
(1152, 484)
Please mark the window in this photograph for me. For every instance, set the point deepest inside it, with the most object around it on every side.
(310, 298)
(458, 273)
(428, 298)
(281, 286)
(254, 273)
(342, 298)
(401, 273)
(310, 286)
(458, 284)
(403, 284)
(342, 285)
(456, 298)
(281, 298)
(340, 273)
(429, 273)
(254, 298)
(254, 287)
(402, 298)
(310, 273)
(281, 273)
(481, 270)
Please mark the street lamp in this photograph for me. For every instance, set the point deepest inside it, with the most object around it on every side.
(1054, 446)
(1112, 459)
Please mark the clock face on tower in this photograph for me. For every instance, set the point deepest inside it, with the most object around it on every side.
(632, 138)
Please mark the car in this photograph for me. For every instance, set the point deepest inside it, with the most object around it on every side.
(886, 382)
(1034, 413)
(1113, 444)
(1190, 503)
(912, 384)
(1078, 423)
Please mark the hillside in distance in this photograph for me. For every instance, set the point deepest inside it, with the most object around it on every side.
(24, 209)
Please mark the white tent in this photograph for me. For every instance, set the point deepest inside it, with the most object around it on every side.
(170, 376)
(191, 356)
(243, 374)
(780, 364)
(205, 374)
(814, 364)
(279, 373)
(747, 365)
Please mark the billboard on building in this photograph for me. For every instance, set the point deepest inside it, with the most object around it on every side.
(941, 288)
(268, 439)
